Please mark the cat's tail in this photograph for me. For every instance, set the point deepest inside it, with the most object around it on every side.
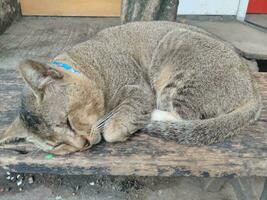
(206, 131)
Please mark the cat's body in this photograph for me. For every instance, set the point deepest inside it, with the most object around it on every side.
(200, 88)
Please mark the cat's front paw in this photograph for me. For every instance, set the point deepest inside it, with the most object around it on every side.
(115, 131)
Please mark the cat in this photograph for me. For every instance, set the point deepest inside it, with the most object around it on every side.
(171, 80)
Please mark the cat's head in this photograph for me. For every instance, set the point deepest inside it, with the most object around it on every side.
(58, 109)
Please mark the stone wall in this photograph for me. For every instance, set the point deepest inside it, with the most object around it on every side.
(9, 10)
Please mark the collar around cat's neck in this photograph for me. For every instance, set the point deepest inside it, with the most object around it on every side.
(65, 66)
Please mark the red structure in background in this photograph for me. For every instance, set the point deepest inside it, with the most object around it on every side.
(257, 6)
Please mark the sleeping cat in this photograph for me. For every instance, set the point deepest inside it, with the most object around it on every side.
(174, 81)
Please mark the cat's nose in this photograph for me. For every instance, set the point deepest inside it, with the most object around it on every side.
(92, 139)
(88, 138)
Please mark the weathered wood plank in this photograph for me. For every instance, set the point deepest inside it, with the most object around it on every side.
(242, 155)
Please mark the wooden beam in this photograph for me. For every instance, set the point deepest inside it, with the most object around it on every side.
(110, 8)
(242, 155)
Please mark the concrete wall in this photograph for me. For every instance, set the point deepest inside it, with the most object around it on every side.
(213, 7)
(208, 7)
(9, 10)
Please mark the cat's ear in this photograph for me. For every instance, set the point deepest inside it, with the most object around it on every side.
(38, 75)
(14, 132)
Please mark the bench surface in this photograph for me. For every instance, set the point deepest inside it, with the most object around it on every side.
(242, 155)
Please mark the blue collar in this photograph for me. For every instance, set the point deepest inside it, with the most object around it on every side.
(65, 66)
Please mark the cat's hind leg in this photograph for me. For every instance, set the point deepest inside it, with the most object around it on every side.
(176, 94)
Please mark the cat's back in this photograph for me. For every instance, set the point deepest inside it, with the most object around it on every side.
(138, 39)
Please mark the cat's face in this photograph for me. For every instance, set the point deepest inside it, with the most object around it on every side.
(58, 109)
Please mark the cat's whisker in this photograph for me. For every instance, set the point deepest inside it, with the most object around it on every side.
(104, 124)
(103, 120)
(101, 125)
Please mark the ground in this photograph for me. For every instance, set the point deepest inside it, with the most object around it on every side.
(249, 40)
(55, 187)
(43, 38)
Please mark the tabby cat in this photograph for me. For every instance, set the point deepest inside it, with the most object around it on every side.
(171, 80)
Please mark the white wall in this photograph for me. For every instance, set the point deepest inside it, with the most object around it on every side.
(209, 7)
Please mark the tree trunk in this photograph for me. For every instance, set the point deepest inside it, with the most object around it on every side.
(148, 10)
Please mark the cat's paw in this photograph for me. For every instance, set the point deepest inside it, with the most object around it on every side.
(114, 131)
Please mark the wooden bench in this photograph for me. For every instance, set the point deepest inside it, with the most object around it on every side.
(142, 155)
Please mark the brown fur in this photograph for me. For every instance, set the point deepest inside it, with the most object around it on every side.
(199, 83)
(163, 78)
